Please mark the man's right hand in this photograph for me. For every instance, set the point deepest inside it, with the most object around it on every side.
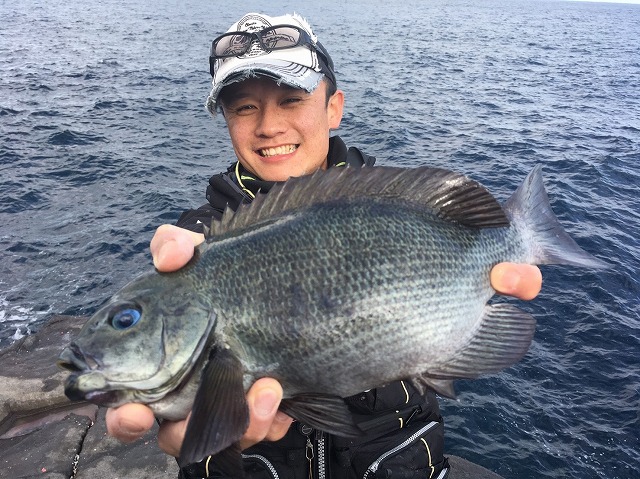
(172, 248)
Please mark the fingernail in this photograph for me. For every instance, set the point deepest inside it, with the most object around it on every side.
(160, 256)
(131, 429)
(511, 281)
(282, 417)
(265, 403)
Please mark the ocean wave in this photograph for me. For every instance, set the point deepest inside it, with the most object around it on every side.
(70, 137)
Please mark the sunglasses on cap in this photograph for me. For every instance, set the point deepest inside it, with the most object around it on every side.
(278, 37)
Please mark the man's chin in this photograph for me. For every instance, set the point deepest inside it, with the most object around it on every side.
(282, 170)
(274, 170)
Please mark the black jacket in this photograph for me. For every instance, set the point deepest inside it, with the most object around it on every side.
(237, 185)
(404, 432)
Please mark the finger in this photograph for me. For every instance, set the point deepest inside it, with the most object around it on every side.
(279, 427)
(171, 436)
(129, 422)
(524, 281)
(265, 422)
(172, 247)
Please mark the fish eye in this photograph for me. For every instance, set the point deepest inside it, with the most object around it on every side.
(125, 316)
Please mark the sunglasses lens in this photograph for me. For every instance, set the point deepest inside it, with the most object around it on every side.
(280, 37)
(231, 45)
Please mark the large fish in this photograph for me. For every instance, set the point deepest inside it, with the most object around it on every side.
(333, 284)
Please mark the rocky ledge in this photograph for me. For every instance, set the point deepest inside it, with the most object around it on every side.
(44, 435)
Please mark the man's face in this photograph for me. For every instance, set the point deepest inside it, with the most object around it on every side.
(278, 131)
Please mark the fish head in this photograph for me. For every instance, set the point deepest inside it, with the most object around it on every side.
(139, 346)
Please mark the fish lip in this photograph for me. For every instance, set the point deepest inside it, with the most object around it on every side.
(71, 389)
(100, 397)
(74, 359)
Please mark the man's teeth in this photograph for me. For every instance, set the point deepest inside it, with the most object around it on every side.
(279, 150)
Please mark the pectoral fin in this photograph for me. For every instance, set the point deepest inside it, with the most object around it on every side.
(220, 416)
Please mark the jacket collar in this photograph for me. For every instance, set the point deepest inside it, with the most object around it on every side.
(237, 184)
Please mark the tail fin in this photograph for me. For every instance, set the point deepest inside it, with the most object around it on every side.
(530, 211)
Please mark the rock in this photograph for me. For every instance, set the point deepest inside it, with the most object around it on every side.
(39, 434)
(44, 435)
(103, 457)
(32, 384)
(49, 453)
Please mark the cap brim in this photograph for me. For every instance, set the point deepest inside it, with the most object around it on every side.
(289, 73)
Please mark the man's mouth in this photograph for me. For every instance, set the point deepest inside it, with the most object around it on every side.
(278, 150)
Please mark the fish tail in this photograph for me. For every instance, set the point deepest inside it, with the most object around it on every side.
(530, 211)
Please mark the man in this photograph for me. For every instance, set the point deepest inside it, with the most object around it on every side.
(275, 85)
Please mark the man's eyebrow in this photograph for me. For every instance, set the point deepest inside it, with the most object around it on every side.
(234, 95)
(238, 94)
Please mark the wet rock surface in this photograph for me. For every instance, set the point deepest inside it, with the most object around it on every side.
(44, 435)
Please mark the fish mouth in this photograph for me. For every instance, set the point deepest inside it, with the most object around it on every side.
(74, 359)
(75, 392)
(95, 387)
(103, 398)
(72, 388)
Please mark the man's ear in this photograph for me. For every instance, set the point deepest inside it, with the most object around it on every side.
(334, 109)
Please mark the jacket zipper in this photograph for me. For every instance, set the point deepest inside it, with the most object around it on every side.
(320, 442)
(376, 464)
(265, 461)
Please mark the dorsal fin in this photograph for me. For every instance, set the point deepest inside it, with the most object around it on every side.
(452, 196)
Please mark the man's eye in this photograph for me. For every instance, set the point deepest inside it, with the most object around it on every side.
(243, 109)
(292, 100)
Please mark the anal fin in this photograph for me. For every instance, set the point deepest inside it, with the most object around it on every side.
(444, 387)
(503, 338)
(322, 411)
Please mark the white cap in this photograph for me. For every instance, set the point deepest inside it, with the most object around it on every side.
(299, 67)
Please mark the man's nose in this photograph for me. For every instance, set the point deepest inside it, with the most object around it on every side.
(271, 121)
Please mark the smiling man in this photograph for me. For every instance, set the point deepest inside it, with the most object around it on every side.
(280, 131)
(275, 85)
